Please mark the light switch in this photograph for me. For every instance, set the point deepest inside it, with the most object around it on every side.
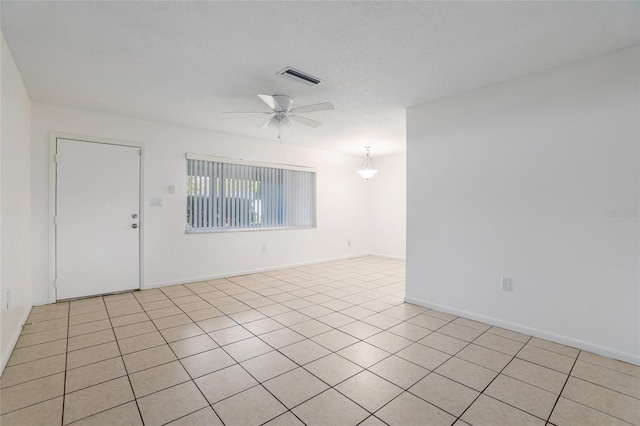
(172, 189)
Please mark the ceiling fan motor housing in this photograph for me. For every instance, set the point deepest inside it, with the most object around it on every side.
(284, 101)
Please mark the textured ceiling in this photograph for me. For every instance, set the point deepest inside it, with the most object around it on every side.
(187, 62)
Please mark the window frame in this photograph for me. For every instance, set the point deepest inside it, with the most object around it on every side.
(242, 162)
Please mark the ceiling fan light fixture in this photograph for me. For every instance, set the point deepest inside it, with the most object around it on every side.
(367, 170)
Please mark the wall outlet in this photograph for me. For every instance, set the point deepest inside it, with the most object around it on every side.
(8, 299)
(264, 248)
(155, 202)
(506, 284)
(349, 243)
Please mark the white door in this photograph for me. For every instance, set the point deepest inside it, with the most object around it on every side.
(97, 218)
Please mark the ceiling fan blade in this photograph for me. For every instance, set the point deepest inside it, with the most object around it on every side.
(267, 123)
(305, 121)
(270, 101)
(324, 106)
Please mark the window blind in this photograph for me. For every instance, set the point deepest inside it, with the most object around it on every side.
(224, 194)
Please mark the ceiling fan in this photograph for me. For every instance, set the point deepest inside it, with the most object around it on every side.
(282, 114)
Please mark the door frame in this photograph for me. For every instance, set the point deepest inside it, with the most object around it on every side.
(53, 138)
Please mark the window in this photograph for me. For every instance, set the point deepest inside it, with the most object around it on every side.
(225, 194)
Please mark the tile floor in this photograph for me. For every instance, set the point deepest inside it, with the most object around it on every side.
(327, 344)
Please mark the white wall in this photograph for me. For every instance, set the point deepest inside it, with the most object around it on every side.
(388, 196)
(514, 180)
(15, 225)
(171, 256)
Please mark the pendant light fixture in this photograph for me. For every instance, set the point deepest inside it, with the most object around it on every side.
(367, 170)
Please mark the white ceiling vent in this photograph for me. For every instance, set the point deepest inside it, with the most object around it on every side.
(300, 76)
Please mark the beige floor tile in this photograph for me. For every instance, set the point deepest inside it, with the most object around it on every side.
(304, 352)
(37, 327)
(336, 304)
(274, 309)
(444, 393)
(38, 317)
(336, 319)
(555, 347)
(428, 321)
(195, 306)
(254, 406)
(444, 343)
(125, 414)
(310, 328)
(330, 408)
(181, 332)
(363, 354)
(372, 421)
(207, 362)
(487, 411)
(147, 358)
(472, 324)
(381, 321)
(92, 354)
(546, 358)
(368, 390)
(519, 337)
(290, 318)
(333, 369)
(247, 316)
(334, 340)
(602, 399)
(316, 311)
(193, 345)
(35, 352)
(410, 331)
(230, 335)
(286, 419)
(143, 341)
(90, 327)
(469, 374)
(224, 383)
(132, 330)
(536, 375)
(204, 314)
(389, 342)
(620, 382)
(269, 365)
(153, 305)
(129, 319)
(423, 356)
(399, 371)
(172, 321)
(42, 414)
(612, 364)
(216, 323)
(263, 326)
(125, 310)
(295, 387)
(33, 370)
(171, 404)
(41, 337)
(524, 396)
(282, 337)
(186, 300)
(90, 339)
(164, 312)
(488, 358)
(360, 330)
(93, 374)
(88, 317)
(94, 399)
(460, 332)
(246, 349)
(158, 378)
(233, 308)
(408, 409)
(33, 392)
(569, 413)
(499, 343)
(204, 417)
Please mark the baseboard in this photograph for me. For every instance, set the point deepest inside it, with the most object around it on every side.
(388, 256)
(251, 271)
(564, 340)
(6, 351)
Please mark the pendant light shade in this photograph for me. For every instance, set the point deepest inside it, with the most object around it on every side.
(367, 170)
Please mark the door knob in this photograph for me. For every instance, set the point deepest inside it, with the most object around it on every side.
(134, 226)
